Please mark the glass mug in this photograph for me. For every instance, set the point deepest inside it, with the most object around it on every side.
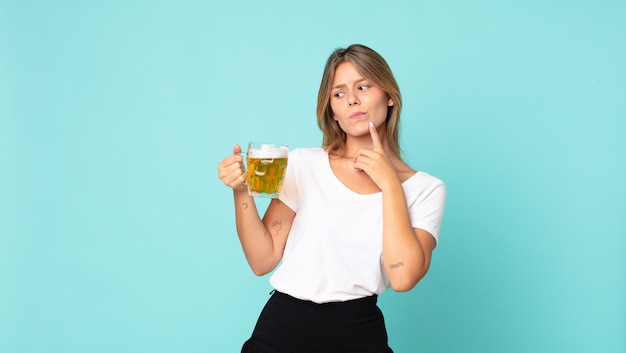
(266, 164)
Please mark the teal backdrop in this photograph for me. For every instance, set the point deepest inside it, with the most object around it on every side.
(116, 234)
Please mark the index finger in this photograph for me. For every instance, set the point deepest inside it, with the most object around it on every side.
(378, 146)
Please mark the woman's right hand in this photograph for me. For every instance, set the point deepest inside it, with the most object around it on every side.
(262, 252)
(231, 170)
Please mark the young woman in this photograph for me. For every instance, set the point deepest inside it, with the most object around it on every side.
(351, 220)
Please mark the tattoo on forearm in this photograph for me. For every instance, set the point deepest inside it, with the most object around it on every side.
(277, 225)
(244, 205)
(396, 265)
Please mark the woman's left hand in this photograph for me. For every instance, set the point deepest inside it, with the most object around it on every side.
(375, 162)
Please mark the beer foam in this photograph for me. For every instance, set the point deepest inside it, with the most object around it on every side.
(268, 153)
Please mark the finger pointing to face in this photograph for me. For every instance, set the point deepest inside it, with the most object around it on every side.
(378, 147)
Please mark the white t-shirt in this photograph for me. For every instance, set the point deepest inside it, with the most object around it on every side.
(334, 248)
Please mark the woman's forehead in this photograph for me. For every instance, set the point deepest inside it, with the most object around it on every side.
(347, 73)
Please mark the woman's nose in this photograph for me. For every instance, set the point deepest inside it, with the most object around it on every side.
(352, 99)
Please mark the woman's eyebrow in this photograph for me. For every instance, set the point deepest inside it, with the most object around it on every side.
(341, 85)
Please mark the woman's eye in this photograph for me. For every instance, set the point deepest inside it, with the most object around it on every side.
(363, 87)
(339, 94)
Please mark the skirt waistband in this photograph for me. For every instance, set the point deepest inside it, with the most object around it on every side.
(331, 308)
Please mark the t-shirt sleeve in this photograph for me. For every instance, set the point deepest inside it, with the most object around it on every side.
(426, 210)
(288, 192)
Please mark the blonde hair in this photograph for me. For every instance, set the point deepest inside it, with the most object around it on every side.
(374, 68)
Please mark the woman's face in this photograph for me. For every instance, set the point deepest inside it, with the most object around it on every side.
(355, 101)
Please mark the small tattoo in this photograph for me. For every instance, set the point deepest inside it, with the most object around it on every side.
(278, 226)
(244, 205)
(396, 265)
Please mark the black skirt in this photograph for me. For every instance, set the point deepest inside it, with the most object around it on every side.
(290, 325)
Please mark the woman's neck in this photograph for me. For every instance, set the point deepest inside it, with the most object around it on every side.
(353, 144)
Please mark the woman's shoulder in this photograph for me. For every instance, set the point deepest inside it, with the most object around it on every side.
(307, 152)
(428, 178)
(421, 181)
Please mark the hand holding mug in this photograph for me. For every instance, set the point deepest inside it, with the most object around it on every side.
(232, 171)
(262, 168)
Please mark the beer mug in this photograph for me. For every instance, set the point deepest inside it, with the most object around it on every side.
(266, 165)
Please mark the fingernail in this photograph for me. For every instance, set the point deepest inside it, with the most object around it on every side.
(371, 124)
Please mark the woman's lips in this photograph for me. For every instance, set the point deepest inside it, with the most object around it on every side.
(357, 115)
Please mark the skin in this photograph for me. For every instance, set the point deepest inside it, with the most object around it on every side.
(364, 166)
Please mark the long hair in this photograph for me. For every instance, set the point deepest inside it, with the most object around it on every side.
(374, 68)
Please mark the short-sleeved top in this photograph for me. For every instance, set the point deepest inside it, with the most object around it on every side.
(334, 248)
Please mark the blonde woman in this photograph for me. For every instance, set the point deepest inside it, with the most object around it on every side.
(352, 218)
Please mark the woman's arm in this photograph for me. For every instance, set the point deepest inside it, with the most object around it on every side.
(263, 241)
(406, 250)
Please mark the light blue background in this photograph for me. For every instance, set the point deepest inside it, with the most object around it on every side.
(117, 236)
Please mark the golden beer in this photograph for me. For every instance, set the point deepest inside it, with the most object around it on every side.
(266, 169)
